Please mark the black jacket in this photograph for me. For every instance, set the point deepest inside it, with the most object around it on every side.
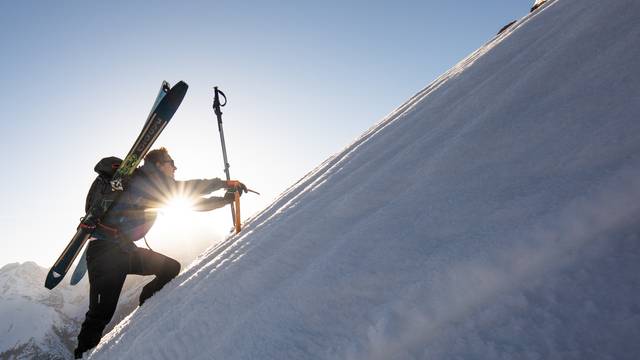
(135, 211)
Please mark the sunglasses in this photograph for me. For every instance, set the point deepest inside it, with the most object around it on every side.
(170, 162)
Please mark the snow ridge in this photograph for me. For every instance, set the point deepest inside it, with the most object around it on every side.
(490, 216)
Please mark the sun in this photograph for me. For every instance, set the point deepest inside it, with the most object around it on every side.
(177, 210)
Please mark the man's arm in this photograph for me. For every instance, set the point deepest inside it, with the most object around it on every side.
(214, 202)
(199, 187)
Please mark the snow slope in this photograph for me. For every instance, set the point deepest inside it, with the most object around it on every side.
(491, 216)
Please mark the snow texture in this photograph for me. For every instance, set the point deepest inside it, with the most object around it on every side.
(494, 215)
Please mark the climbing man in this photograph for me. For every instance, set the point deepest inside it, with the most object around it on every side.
(111, 252)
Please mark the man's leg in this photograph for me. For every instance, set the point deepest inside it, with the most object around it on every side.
(103, 298)
(147, 262)
(107, 267)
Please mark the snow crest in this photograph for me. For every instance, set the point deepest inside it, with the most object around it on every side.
(493, 215)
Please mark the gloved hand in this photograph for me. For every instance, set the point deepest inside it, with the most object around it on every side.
(235, 185)
(230, 196)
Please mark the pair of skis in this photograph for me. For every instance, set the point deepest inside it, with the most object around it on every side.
(165, 106)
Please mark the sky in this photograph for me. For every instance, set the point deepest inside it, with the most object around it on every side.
(304, 79)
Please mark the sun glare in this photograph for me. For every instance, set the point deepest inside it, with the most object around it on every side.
(177, 210)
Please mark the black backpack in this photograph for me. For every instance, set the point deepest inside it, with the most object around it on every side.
(101, 186)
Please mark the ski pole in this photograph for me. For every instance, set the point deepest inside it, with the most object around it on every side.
(236, 220)
(216, 109)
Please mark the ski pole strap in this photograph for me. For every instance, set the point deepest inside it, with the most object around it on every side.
(216, 98)
(216, 102)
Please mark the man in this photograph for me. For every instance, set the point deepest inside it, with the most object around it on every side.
(111, 253)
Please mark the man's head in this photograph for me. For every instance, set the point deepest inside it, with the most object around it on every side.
(161, 159)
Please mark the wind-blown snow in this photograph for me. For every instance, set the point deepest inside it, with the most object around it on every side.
(492, 216)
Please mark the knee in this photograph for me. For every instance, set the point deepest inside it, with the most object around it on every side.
(172, 269)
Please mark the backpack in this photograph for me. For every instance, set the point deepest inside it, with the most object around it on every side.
(101, 186)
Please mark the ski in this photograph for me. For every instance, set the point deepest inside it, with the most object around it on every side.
(81, 266)
(81, 269)
(155, 123)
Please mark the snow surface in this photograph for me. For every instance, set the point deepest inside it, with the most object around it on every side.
(491, 216)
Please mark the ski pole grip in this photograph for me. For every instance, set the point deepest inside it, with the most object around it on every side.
(216, 99)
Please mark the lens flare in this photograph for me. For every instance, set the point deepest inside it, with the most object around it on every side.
(176, 210)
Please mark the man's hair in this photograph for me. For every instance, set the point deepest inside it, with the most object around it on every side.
(156, 156)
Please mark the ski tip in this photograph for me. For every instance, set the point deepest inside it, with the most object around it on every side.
(53, 279)
(174, 99)
(180, 88)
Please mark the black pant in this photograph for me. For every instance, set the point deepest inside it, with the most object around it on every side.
(108, 264)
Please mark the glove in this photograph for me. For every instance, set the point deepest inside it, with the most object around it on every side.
(235, 185)
(230, 196)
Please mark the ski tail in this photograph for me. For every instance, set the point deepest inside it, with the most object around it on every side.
(81, 268)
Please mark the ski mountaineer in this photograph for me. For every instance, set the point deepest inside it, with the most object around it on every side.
(111, 253)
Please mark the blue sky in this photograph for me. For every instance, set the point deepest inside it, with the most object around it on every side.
(303, 80)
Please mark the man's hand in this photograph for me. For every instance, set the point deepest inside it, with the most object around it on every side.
(235, 185)
(230, 196)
